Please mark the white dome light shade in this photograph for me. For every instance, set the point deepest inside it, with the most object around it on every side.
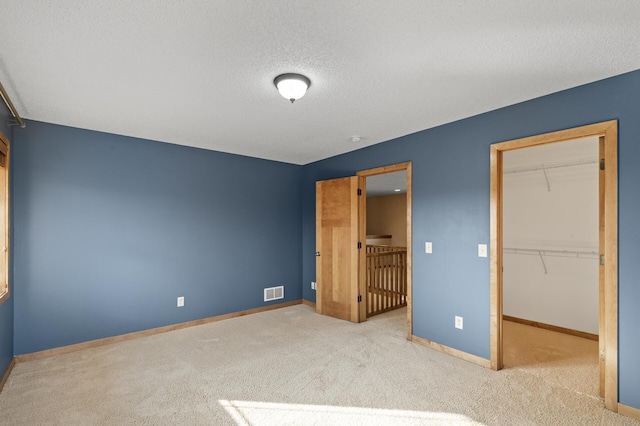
(292, 86)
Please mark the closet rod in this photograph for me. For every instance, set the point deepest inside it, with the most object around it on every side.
(11, 107)
(547, 252)
(557, 165)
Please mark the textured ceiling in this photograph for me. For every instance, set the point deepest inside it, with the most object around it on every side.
(200, 73)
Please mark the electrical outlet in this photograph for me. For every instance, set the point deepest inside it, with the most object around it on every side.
(428, 247)
(482, 250)
(180, 301)
(313, 285)
(459, 322)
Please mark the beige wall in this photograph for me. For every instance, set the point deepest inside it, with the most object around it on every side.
(388, 215)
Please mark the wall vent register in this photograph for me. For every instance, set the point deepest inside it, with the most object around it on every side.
(273, 293)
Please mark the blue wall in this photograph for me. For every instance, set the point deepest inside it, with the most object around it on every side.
(451, 209)
(110, 230)
(6, 309)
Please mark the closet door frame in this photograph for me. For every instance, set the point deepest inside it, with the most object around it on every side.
(608, 318)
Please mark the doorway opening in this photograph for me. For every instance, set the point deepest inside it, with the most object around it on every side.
(386, 243)
(387, 219)
(606, 134)
(551, 262)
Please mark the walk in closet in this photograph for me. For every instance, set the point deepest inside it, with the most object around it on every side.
(550, 239)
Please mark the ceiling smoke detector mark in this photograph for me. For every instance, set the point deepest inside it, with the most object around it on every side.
(273, 293)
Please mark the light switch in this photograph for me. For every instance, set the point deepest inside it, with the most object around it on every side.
(459, 322)
(428, 247)
(482, 250)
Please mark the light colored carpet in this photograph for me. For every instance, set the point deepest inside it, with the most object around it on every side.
(288, 366)
(564, 360)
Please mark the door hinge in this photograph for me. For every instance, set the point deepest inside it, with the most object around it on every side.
(359, 191)
(359, 298)
(602, 259)
(603, 355)
(359, 245)
(602, 164)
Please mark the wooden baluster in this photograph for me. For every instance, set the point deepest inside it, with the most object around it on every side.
(385, 278)
(397, 285)
(383, 271)
(376, 279)
(370, 289)
(396, 281)
(404, 280)
(368, 281)
(392, 280)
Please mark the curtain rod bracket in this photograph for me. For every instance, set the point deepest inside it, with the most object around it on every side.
(5, 97)
(15, 122)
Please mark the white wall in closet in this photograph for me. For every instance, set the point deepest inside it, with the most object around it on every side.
(550, 206)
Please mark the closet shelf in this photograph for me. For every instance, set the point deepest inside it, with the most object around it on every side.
(587, 254)
(541, 253)
(545, 167)
(556, 165)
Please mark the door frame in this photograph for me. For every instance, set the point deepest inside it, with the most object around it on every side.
(378, 171)
(608, 318)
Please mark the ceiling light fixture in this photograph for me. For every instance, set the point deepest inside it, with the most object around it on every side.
(292, 86)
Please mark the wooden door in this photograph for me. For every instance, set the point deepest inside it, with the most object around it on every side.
(339, 229)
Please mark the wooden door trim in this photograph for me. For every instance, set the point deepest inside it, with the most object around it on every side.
(5, 229)
(608, 130)
(385, 169)
(601, 270)
(389, 169)
(362, 252)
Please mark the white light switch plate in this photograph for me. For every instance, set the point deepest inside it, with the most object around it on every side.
(180, 301)
(459, 322)
(482, 250)
(428, 247)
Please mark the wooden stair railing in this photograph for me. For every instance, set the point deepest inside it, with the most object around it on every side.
(386, 278)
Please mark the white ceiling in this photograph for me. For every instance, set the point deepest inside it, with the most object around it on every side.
(200, 73)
